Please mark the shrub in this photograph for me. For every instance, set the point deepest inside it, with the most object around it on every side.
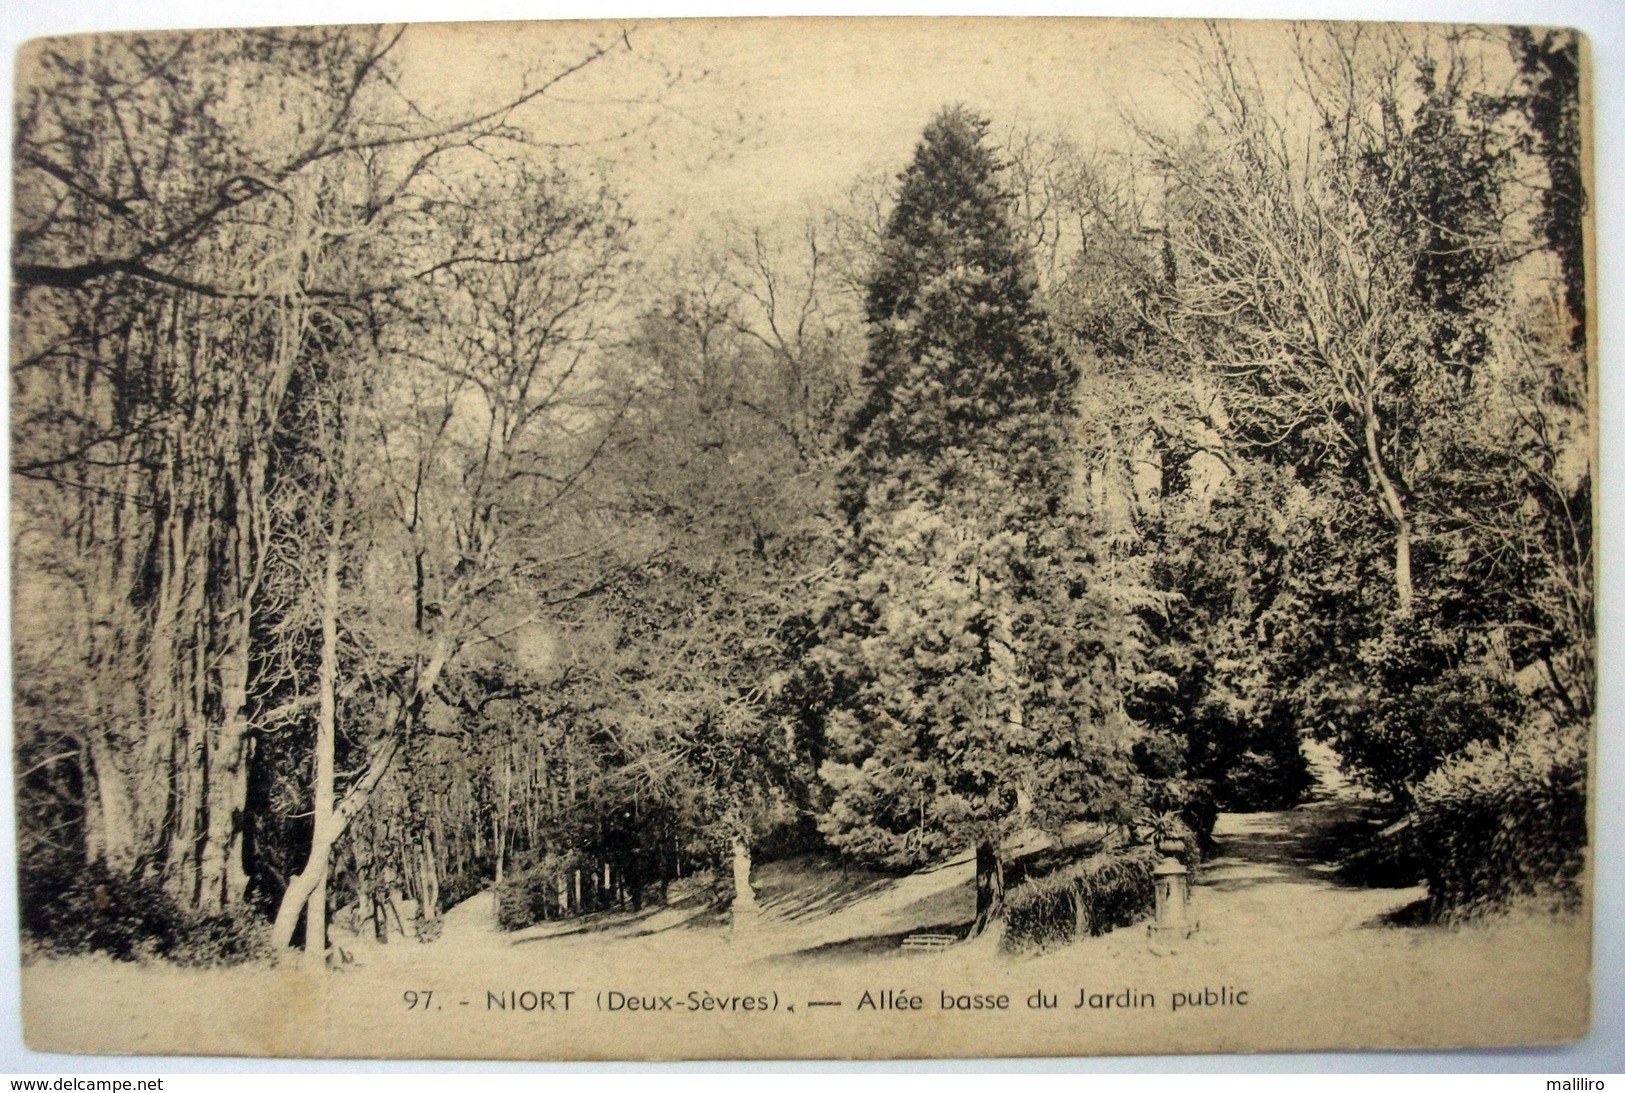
(1502, 823)
(1374, 856)
(1041, 914)
(1428, 693)
(236, 936)
(519, 899)
(85, 909)
(1098, 894)
(529, 896)
(1159, 755)
(462, 885)
(1264, 780)
(68, 908)
(1200, 810)
(1192, 799)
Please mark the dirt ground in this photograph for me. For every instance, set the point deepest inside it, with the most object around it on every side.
(1287, 956)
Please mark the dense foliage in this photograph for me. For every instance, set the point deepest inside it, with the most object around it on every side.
(967, 646)
(66, 908)
(1500, 824)
(1368, 511)
(1101, 893)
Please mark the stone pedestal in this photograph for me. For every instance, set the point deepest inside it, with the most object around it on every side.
(1174, 924)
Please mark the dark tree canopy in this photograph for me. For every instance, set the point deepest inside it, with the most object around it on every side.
(960, 358)
(1550, 65)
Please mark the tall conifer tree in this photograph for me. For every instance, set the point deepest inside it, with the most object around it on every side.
(967, 653)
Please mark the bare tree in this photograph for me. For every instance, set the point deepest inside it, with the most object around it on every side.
(196, 215)
(1321, 264)
(483, 436)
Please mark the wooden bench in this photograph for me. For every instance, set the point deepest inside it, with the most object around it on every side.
(928, 942)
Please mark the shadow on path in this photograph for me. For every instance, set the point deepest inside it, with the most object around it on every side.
(1284, 870)
(1294, 846)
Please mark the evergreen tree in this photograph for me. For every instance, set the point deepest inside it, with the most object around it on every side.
(961, 361)
(1550, 69)
(965, 652)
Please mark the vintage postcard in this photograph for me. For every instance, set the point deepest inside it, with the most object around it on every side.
(803, 538)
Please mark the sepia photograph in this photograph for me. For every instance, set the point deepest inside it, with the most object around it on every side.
(803, 538)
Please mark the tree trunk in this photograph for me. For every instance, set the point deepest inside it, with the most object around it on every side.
(95, 830)
(325, 835)
(165, 757)
(234, 585)
(428, 879)
(989, 887)
(180, 866)
(223, 880)
(325, 828)
(1402, 566)
(499, 832)
(107, 811)
(327, 672)
(316, 923)
(304, 884)
(1393, 507)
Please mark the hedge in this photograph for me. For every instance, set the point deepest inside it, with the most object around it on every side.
(1504, 823)
(1100, 893)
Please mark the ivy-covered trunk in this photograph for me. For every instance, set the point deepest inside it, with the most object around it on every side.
(989, 887)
